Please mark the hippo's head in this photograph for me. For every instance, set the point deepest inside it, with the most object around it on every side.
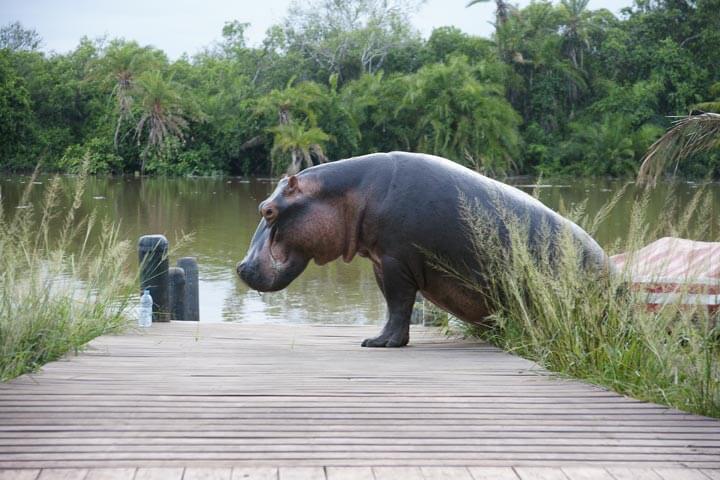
(297, 225)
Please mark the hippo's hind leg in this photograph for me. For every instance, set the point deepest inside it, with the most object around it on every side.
(399, 291)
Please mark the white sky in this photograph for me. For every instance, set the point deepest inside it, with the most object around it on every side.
(178, 26)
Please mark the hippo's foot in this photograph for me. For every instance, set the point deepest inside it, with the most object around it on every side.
(387, 340)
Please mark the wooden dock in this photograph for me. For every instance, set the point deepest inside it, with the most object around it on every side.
(228, 401)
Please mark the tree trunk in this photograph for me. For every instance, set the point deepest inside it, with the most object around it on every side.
(294, 162)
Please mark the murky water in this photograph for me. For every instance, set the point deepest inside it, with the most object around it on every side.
(222, 215)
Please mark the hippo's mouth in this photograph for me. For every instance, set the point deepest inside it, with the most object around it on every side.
(271, 263)
(276, 265)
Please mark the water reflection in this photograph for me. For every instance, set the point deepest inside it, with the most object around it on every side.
(222, 216)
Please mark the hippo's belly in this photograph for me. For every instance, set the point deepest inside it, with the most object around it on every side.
(465, 304)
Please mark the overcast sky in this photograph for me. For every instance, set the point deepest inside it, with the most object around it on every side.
(178, 26)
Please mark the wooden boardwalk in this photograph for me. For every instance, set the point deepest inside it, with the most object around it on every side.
(247, 401)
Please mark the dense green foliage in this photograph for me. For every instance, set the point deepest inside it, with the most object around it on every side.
(558, 88)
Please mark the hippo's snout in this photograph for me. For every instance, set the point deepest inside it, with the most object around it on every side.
(254, 276)
(248, 273)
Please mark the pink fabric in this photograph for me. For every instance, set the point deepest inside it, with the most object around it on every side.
(671, 265)
(672, 257)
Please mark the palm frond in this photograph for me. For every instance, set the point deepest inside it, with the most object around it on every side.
(688, 136)
(474, 2)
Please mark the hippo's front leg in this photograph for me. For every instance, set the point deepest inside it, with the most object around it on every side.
(399, 291)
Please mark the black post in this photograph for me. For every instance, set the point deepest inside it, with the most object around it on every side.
(152, 253)
(177, 293)
(192, 296)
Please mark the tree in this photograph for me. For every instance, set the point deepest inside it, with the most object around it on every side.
(119, 70)
(15, 113)
(609, 145)
(348, 37)
(575, 30)
(502, 10)
(463, 118)
(301, 141)
(163, 113)
(296, 129)
(16, 38)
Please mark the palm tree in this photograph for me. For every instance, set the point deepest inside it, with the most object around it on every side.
(302, 99)
(163, 113)
(575, 33)
(302, 142)
(502, 15)
(576, 42)
(502, 10)
(688, 135)
(299, 136)
(119, 69)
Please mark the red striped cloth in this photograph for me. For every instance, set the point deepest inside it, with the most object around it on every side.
(672, 269)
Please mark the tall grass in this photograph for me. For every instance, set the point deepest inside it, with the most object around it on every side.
(63, 278)
(594, 326)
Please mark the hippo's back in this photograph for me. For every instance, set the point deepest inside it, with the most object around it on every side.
(429, 199)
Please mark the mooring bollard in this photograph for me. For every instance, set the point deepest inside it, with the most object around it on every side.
(152, 253)
(176, 277)
(192, 297)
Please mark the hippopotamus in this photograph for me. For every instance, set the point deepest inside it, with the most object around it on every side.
(392, 208)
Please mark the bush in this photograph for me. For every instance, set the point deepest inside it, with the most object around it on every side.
(94, 156)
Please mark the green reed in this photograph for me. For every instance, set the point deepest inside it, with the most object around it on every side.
(63, 278)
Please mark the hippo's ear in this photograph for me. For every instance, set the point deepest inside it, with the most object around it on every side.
(292, 184)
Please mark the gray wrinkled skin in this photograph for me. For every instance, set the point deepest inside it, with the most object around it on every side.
(390, 208)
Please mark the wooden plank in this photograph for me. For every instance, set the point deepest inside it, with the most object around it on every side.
(492, 473)
(396, 473)
(625, 473)
(159, 473)
(207, 473)
(587, 473)
(254, 473)
(446, 473)
(680, 474)
(26, 474)
(301, 473)
(713, 474)
(111, 474)
(239, 396)
(540, 473)
(63, 474)
(349, 473)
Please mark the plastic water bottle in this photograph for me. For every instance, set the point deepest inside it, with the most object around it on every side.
(145, 315)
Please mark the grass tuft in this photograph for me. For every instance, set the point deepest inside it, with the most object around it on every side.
(592, 326)
(63, 278)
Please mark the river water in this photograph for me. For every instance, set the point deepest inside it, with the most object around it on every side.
(222, 214)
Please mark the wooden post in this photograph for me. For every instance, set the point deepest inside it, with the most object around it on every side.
(192, 296)
(152, 254)
(176, 277)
